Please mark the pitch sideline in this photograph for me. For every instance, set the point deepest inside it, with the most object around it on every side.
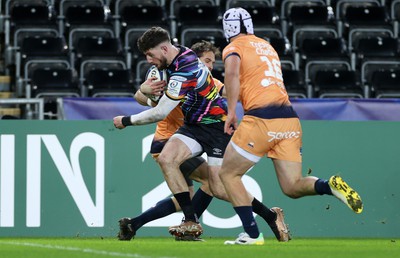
(77, 249)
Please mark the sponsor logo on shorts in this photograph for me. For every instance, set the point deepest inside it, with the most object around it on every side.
(217, 151)
(283, 135)
(251, 144)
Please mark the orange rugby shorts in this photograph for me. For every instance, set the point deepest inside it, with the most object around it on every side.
(279, 138)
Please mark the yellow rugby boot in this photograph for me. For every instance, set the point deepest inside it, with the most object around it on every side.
(345, 193)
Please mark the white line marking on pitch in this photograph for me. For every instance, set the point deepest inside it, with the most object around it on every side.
(77, 249)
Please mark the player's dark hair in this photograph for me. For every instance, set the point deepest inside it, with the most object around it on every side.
(152, 37)
(204, 46)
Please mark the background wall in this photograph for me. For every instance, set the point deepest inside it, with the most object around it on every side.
(68, 178)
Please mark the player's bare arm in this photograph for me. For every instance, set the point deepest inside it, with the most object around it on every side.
(232, 89)
(143, 99)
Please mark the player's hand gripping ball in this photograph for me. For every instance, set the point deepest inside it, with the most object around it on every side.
(160, 75)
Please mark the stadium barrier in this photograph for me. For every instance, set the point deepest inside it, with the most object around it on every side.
(307, 109)
(77, 178)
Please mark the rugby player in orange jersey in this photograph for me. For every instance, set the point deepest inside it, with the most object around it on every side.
(270, 126)
(194, 168)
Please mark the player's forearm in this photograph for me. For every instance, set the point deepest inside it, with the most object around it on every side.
(143, 99)
(143, 118)
(158, 113)
(232, 88)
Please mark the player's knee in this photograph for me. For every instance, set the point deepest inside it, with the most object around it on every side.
(166, 161)
(292, 193)
(224, 175)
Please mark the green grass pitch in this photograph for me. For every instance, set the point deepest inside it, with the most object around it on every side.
(212, 247)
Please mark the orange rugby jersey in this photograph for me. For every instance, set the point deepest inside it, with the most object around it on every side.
(167, 127)
(261, 83)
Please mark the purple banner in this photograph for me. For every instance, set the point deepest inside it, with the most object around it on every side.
(307, 109)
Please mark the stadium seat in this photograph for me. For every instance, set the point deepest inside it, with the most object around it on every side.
(338, 84)
(352, 14)
(25, 15)
(365, 15)
(137, 14)
(38, 48)
(89, 42)
(99, 46)
(54, 82)
(12, 53)
(77, 13)
(381, 78)
(370, 47)
(110, 82)
(216, 36)
(294, 83)
(43, 47)
(321, 48)
(386, 84)
(314, 66)
(295, 14)
(323, 38)
(51, 83)
(143, 16)
(186, 13)
(92, 86)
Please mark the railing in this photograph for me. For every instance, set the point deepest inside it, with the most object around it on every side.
(38, 106)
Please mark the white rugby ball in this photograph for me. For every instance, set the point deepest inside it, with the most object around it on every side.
(160, 75)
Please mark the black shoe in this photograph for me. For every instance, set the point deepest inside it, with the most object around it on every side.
(126, 230)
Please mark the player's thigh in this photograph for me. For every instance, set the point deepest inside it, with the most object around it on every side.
(175, 151)
(216, 186)
(234, 163)
(200, 174)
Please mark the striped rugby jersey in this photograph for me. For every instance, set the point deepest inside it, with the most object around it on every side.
(191, 82)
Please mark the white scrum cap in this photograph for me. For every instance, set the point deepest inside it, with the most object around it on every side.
(235, 21)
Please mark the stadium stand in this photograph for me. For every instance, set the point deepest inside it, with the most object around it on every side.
(328, 48)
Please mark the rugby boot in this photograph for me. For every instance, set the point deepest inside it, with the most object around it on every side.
(279, 227)
(345, 193)
(186, 228)
(245, 239)
(126, 230)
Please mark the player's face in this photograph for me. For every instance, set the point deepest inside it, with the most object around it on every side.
(208, 58)
(156, 57)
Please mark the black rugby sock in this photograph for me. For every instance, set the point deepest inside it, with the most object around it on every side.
(200, 201)
(321, 186)
(162, 209)
(186, 205)
(249, 223)
(263, 211)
